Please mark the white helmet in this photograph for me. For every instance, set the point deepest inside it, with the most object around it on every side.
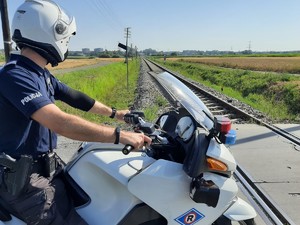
(45, 27)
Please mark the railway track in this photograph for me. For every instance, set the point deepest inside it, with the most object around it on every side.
(269, 211)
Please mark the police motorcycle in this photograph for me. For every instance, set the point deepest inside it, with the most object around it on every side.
(184, 177)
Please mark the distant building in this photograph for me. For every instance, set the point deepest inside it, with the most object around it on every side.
(98, 50)
(76, 53)
(86, 51)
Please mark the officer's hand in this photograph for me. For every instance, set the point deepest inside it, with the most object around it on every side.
(120, 114)
(137, 140)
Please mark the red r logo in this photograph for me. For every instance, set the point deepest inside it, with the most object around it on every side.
(190, 218)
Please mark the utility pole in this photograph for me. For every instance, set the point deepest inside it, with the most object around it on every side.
(5, 29)
(131, 51)
(127, 35)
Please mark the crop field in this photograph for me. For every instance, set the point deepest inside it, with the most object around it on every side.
(71, 63)
(272, 64)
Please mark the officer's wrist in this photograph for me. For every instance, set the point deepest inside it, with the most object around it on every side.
(113, 112)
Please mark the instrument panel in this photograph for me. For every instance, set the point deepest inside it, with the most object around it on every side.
(185, 128)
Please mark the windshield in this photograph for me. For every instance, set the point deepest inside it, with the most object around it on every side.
(187, 99)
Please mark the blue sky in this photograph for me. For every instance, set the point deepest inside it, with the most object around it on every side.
(165, 25)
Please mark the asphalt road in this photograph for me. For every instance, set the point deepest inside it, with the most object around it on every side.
(66, 148)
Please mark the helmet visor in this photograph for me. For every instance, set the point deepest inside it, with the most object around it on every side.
(65, 26)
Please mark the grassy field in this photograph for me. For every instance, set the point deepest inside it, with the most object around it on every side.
(275, 94)
(107, 84)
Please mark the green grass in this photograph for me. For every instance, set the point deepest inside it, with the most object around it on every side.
(2, 59)
(107, 84)
(277, 95)
(151, 112)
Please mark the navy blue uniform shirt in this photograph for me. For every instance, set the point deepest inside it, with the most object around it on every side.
(24, 88)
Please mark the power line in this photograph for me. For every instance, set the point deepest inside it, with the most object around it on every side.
(111, 13)
(106, 13)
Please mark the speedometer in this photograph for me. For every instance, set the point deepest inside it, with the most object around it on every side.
(185, 128)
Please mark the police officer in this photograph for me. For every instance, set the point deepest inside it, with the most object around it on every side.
(30, 119)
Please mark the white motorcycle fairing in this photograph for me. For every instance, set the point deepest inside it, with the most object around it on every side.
(240, 210)
(103, 172)
(165, 187)
(116, 183)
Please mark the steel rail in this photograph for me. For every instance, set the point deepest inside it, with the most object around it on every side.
(262, 200)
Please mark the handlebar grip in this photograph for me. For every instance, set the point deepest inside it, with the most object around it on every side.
(127, 149)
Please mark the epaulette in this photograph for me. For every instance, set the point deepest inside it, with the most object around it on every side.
(10, 65)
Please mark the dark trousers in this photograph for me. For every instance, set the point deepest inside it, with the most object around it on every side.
(44, 202)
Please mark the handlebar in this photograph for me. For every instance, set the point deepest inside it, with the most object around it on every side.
(127, 149)
(135, 118)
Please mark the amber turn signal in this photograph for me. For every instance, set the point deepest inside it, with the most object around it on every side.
(215, 164)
